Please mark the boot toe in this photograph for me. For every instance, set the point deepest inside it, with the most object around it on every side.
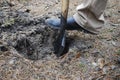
(53, 23)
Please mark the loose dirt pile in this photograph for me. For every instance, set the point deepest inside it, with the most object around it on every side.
(28, 36)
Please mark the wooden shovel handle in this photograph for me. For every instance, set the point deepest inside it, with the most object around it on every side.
(65, 6)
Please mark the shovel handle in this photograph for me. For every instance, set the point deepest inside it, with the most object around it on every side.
(59, 43)
(65, 6)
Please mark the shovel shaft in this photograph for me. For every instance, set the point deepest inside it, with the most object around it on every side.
(65, 6)
(60, 41)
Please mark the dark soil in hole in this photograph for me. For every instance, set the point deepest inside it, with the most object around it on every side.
(30, 37)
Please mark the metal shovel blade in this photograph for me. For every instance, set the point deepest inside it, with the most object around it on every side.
(60, 41)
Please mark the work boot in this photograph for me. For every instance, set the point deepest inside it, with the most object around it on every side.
(71, 24)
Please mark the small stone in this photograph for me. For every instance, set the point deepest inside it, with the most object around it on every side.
(105, 70)
(116, 44)
(101, 62)
(94, 64)
(11, 62)
(97, 69)
(13, 3)
(113, 67)
(27, 10)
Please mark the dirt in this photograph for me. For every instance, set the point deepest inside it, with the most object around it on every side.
(31, 36)
(27, 35)
(26, 44)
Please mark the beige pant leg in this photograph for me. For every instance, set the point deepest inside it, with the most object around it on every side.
(90, 15)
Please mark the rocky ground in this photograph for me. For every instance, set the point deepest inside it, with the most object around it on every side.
(26, 51)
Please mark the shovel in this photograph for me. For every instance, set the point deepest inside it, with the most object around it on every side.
(60, 41)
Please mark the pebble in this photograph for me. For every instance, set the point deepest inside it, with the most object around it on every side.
(97, 69)
(11, 62)
(113, 67)
(105, 70)
(101, 62)
(94, 64)
(116, 44)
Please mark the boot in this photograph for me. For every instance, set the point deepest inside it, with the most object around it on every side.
(71, 24)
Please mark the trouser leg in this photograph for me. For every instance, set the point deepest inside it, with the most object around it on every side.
(89, 15)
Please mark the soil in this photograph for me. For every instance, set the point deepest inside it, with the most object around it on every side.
(27, 51)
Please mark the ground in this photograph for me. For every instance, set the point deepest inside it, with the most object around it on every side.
(26, 52)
